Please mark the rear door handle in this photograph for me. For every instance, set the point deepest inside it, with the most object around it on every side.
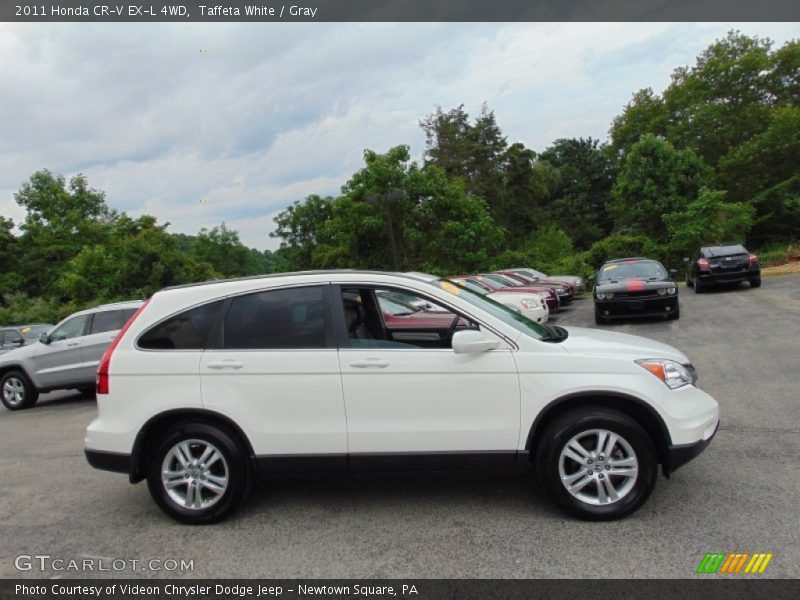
(225, 364)
(375, 363)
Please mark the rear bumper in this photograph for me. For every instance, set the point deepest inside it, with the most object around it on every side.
(677, 456)
(710, 278)
(109, 461)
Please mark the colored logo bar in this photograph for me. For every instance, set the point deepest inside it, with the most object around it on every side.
(734, 562)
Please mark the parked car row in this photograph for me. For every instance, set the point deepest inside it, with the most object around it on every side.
(642, 287)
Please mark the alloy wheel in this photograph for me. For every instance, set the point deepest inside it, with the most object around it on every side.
(598, 467)
(195, 474)
(14, 391)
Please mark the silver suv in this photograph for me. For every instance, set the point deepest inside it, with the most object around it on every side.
(64, 358)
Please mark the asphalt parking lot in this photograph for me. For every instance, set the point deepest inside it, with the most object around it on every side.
(740, 495)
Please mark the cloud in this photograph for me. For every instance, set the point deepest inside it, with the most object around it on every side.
(200, 123)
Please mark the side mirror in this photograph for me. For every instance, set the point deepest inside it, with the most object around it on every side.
(473, 342)
(44, 339)
(673, 271)
(19, 342)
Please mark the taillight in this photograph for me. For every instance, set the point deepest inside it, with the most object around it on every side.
(753, 259)
(702, 263)
(102, 379)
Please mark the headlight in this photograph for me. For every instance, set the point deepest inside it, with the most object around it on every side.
(600, 296)
(529, 303)
(610, 296)
(662, 291)
(672, 291)
(672, 373)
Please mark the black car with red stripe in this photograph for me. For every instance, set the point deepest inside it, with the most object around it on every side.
(635, 287)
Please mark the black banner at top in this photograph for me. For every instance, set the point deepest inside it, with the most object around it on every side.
(397, 10)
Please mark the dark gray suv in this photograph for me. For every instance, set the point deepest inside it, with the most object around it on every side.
(65, 357)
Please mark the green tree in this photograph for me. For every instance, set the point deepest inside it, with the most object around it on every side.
(61, 218)
(579, 196)
(708, 219)
(645, 113)
(221, 247)
(655, 180)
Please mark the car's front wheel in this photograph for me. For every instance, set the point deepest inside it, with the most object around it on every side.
(599, 319)
(198, 474)
(17, 392)
(597, 464)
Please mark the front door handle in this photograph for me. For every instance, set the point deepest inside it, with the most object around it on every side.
(225, 364)
(70, 344)
(376, 363)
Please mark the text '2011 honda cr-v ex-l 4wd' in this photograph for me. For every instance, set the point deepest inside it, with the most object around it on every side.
(210, 387)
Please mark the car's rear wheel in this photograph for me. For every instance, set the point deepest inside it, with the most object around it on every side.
(198, 473)
(596, 464)
(689, 282)
(755, 282)
(17, 392)
(698, 286)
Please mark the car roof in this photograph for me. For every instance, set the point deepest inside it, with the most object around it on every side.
(417, 276)
(111, 306)
(616, 260)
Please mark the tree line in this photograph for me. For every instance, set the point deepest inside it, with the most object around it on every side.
(714, 157)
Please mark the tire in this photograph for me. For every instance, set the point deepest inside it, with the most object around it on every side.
(689, 282)
(698, 286)
(600, 320)
(674, 316)
(584, 426)
(754, 283)
(231, 465)
(17, 392)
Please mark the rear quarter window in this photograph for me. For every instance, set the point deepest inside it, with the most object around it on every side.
(189, 330)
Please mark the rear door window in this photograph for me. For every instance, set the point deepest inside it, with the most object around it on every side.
(291, 318)
(107, 320)
(189, 330)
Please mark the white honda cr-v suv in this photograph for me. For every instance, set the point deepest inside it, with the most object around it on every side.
(212, 386)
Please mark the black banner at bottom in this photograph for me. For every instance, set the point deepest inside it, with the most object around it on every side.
(389, 589)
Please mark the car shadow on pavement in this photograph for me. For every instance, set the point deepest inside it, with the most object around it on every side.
(417, 491)
(64, 398)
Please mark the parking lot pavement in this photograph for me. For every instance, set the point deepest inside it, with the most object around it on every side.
(740, 495)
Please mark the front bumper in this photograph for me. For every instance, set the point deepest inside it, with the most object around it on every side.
(677, 456)
(637, 307)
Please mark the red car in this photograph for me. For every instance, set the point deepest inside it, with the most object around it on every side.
(493, 285)
(565, 291)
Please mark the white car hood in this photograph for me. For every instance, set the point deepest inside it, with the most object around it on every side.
(596, 342)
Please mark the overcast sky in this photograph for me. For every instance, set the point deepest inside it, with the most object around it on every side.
(203, 123)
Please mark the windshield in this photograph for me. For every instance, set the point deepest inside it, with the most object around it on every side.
(34, 332)
(396, 307)
(638, 269)
(505, 314)
(500, 280)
